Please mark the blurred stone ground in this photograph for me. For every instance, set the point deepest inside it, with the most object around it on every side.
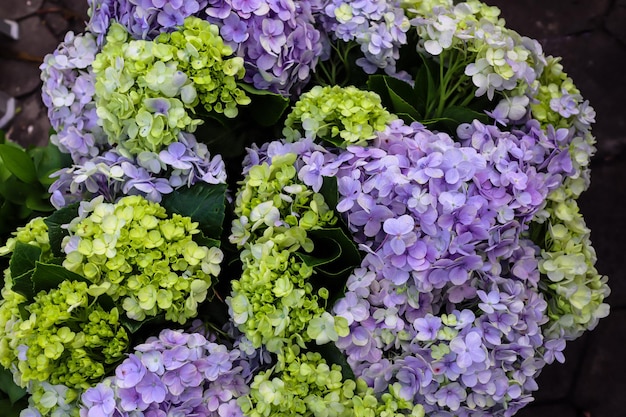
(591, 38)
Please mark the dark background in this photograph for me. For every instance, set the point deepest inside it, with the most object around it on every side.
(589, 35)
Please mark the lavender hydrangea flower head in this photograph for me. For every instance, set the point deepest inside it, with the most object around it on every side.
(144, 19)
(378, 27)
(176, 372)
(277, 39)
(67, 92)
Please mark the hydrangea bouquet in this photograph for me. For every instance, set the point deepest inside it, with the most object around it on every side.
(302, 208)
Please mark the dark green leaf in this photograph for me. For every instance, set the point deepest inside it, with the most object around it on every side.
(24, 258)
(396, 95)
(453, 116)
(329, 191)
(18, 162)
(333, 356)
(14, 190)
(48, 276)
(201, 239)
(334, 255)
(39, 201)
(9, 387)
(266, 107)
(204, 203)
(48, 159)
(427, 82)
(54, 223)
(402, 96)
(12, 410)
(22, 264)
(133, 326)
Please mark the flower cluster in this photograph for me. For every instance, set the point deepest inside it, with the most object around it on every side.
(274, 300)
(278, 40)
(469, 37)
(133, 252)
(411, 246)
(378, 27)
(144, 19)
(145, 89)
(65, 338)
(176, 373)
(68, 90)
(432, 213)
(339, 115)
(100, 167)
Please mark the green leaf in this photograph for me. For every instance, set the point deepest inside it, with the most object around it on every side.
(54, 223)
(14, 392)
(204, 203)
(12, 410)
(48, 159)
(18, 162)
(133, 326)
(329, 191)
(24, 258)
(396, 95)
(22, 264)
(266, 107)
(39, 201)
(201, 239)
(453, 116)
(14, 190)
(426, 85)
(334, 255)
(48, 276)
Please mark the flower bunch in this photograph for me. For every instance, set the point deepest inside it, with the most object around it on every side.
(174, 373)
(341, 116)
(273, 301)
(377, 27)
(404, 234)
(133, 252)
(277, 40)
(66, 339)
(144, 19)
(144, 89)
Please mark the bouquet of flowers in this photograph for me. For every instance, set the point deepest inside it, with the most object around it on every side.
(302, 208)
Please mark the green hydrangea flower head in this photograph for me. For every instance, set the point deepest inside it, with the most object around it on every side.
(274, 302)
(304, 384)
(35, 233)
(137, 254)
(66, 338)
(340, 115)
(577, 290)
(146, 92)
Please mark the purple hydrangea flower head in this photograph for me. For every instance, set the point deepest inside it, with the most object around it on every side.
(441, 223)
(176, 372)
(278, 40)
